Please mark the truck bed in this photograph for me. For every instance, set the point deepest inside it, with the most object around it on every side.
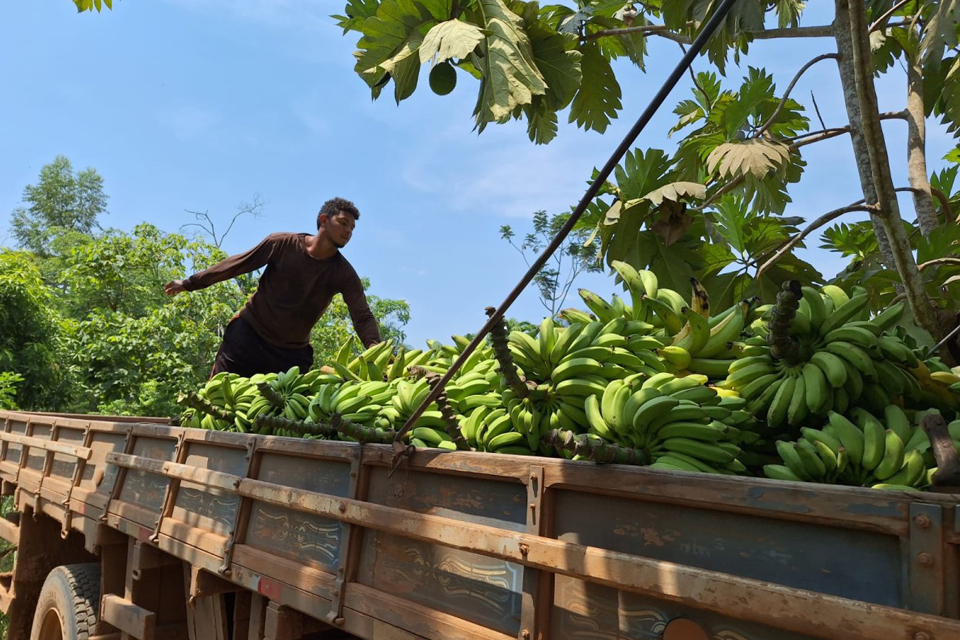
(463, 545)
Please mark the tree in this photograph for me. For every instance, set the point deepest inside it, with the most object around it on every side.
(60, 203)
(684, 213)
(570, 260)
(29, 336)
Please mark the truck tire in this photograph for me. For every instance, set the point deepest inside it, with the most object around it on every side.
(69, 604)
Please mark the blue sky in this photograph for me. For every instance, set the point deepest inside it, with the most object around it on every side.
(201, 104)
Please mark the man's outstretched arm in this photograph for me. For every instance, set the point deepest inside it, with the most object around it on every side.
(364, 322)
(225, 269)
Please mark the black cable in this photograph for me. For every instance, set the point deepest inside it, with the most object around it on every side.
(719, 15)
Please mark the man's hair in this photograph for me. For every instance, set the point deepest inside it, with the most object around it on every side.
(333, 206)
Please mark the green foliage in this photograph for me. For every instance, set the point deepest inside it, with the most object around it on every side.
(29, 335)
(572, 258)
(8, 389)
(62, 201)
(89, 5)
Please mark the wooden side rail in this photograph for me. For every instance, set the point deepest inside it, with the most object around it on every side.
(53, 446)
(742, 598)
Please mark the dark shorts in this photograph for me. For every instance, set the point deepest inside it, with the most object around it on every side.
(245, 353)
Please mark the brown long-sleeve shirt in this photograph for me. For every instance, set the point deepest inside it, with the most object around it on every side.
(294, 291)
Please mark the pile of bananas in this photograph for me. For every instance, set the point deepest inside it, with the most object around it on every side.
(866, 452)
(661, 381)
(824, 355)
(691, 339)
(228, 402)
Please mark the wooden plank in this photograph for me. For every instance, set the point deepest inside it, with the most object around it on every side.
(10, 531)
(127, 617)
(47, 445)
(402, 614)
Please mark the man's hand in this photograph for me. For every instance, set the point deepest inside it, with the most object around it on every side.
(173, 287)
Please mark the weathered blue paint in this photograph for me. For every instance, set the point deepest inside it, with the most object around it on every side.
(845, 562)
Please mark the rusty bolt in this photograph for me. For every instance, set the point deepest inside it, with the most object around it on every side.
(340, 570)
(338, 621)
(925, 559)
(353, 474)
(525, 634)
(524, 548)
(336, 593)
(533, 505)
(342, 508)
(533, 476)
(922, 521)
(921, 635)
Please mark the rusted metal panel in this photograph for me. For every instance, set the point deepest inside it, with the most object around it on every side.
(487, 591)
(852, 564)
(314, 540)
(98, 476)
(147, 489)
(64, 464)
(584, 611)
(209, 508)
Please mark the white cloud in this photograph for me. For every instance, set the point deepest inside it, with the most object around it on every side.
(188, 122)
(505, 175)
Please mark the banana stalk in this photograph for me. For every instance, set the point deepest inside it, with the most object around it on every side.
(303, 428)
(192, 400)
(782, 344)
(359, 432)
(501, 351)
(594, 449)
(267, 392)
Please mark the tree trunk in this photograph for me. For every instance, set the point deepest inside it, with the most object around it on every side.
(854, 48)
(916, 147)
(848, 81)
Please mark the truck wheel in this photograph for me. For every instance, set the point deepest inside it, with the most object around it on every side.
(69, 604)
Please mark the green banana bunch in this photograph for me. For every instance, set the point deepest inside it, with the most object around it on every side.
(865, 451)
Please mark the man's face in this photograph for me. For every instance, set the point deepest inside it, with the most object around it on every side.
(339, 229)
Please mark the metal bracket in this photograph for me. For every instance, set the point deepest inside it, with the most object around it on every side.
(339, 586)
(925, 564)
(121, 476)
(78, 469)
(169, 492)
(531, 577)
(224, 568)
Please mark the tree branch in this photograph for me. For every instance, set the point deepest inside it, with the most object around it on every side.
(892, 10)
(822, 31)
(915, 116)
(939, 195)
(646, 29)
(939, 261)
(816, 224)
(793, 83)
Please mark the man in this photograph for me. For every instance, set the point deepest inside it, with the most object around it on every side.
(272, 331)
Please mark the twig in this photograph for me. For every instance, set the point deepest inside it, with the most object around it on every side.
(892, 10)
(816, 224)
(783, 101)
(939, 195)
(819, 136)
(816, 108)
